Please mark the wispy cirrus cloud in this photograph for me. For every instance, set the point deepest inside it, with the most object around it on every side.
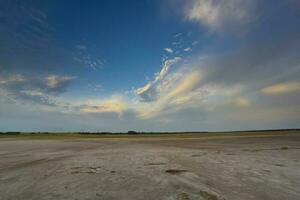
(149, 91)
(28, 33)
(84, 57)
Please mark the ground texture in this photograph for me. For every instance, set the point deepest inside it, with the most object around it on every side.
(259, 167)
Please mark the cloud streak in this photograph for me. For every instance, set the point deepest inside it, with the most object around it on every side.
(282, 88)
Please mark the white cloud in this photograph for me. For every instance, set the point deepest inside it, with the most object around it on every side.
(195, 43)
(187, 49)
(176, 43)
(12, 79)
(33, 89)
(36, 93)
(165, 68)
(220, 14)
(169, 50)
(146, 88)
(177, 35)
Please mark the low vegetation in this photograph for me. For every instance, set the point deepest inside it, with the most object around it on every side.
(135, 134)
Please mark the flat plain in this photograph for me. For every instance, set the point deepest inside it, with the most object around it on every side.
(211, 166)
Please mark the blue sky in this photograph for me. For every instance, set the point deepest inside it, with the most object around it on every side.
(149, 65)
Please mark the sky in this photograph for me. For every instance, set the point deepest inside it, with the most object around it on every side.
(149, 65)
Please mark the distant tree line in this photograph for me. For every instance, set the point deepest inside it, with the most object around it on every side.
(131, 132)
(10, 133)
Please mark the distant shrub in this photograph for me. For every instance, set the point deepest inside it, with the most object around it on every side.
(132, 132)
(94, 133)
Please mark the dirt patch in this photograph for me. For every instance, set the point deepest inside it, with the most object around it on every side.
(175, 171)
(198, 155)
(184, 196)
(280, 165)
(153, 164)
(87, 170)
(208, 196)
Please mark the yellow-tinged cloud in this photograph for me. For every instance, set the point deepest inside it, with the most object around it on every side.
(54, 81)
(243, 102)
(174, 97)
(108, 106)
(282, 88)
(186, 85)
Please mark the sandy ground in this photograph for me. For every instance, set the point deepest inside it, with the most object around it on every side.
(239, 168)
